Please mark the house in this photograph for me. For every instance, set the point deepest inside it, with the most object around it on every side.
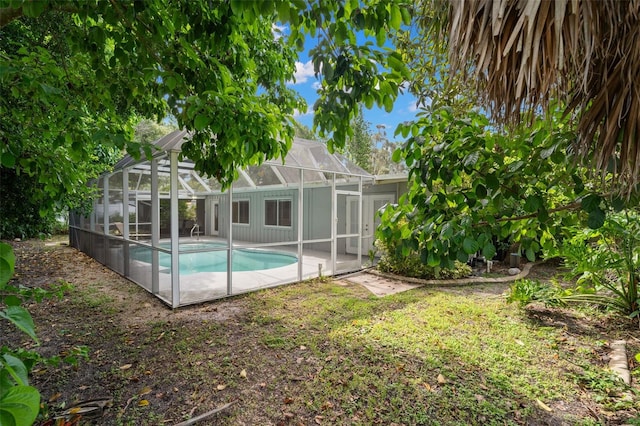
(177, 234)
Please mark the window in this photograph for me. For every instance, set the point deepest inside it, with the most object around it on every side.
(277, 212)
(240, 212)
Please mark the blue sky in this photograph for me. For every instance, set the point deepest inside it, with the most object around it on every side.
(306, 84)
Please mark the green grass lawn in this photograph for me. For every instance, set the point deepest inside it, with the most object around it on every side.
(327, 353)
(424, 357)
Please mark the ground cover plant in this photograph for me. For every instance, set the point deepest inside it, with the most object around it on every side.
(604, 262)
(321, 352)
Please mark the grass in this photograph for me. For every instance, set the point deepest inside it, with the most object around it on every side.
(323, 353)
(415, 356)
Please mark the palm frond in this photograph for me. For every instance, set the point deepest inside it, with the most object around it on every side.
(524, 53)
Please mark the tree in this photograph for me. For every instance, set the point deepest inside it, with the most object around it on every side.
(216, 66)
(303, 131)
(359, 147)
(584, 54)
(382, 155)
(473, 189)
(148, 131)
(45, 126)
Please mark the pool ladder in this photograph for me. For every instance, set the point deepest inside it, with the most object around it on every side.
(196, 229)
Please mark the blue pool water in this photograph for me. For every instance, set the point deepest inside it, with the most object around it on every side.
(215, 261)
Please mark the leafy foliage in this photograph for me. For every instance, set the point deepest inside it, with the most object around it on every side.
(475, 190)
(396, 259)
(303, 131)
(76, 76)
(606, 262)
(147, 131)
(527, 291)
(359, 147)
(19, 401)
(354, 73)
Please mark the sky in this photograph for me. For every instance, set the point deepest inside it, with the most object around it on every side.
(307, 85)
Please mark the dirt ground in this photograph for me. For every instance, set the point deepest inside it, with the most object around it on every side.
(137, 326)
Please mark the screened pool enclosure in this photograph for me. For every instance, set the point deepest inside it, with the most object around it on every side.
(175, 233)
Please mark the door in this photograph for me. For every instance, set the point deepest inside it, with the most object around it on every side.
(370, 219)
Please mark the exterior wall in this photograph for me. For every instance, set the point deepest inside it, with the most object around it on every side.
(256, 231)
(398, 189)
(317, 210)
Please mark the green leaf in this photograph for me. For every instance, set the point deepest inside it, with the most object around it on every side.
(492, 181)
(16, 369)
(596, 218)
(201, 121)
(8, 160)
(531, 255)
(591, 202)
(558, 157)
(432, 259)
(406, 16)
(579, 185)
(470, 245)
(237, 6)
(397, 155)
(7, 263)
(395, 63)
(489, 251)
(395, 20)
(33, 9)
(533, 203)
(19, 406)
(618, 204)
(481, 191)
(12, 300)
(543, 214)
(381, 36)
(462, 256)
(21, 318)
(170, 82)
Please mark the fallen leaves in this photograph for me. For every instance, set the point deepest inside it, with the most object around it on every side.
(544, 406)
(144, 391)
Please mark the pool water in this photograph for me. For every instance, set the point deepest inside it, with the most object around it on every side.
(215, 261)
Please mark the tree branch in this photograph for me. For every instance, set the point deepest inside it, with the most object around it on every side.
(571, 206)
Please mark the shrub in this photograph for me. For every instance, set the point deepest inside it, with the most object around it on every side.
(410, 264)
(607, 260)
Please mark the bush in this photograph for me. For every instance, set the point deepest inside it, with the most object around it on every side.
(607, 261)
(20, 209)
(528, 291)
(410, 264)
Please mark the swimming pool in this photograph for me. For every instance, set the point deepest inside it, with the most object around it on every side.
(214, 261)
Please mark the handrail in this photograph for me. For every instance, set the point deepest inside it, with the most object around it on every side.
(196, 226)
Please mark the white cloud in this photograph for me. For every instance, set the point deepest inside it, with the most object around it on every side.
(303, 72)
(278, 30)
(298, 113)
(413, 106)
(316, 85)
